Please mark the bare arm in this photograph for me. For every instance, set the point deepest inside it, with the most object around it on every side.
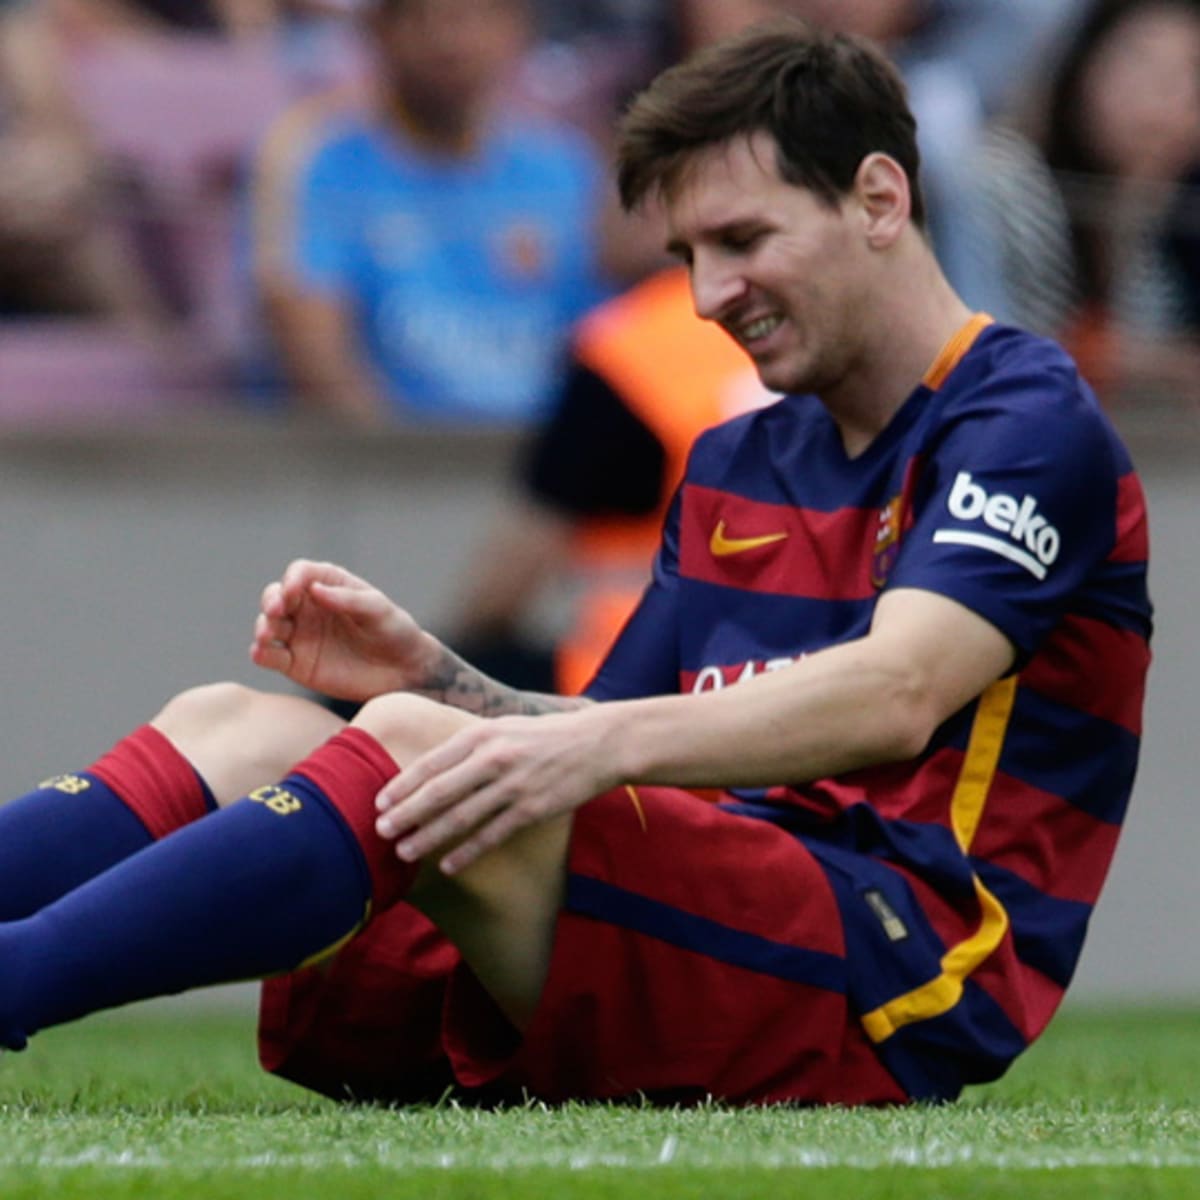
(875, 700)
(328, 630)
(454, 681)
(321, 354)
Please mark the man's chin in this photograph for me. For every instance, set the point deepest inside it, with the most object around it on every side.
(775, 377)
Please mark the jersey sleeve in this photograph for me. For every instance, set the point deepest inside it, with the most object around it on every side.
(1015, 507)
(644, 660)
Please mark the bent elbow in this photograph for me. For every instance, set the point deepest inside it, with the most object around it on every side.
(913, 718)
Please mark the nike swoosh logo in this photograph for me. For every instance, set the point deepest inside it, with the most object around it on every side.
(721, 546)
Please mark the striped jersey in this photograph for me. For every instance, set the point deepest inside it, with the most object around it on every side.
(966, 876)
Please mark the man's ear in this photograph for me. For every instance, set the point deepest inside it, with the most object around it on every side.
(883, 192)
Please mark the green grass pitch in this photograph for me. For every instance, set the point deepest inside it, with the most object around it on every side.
(166, 1101)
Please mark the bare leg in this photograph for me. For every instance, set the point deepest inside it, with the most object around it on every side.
(500, 913)
(238, 738)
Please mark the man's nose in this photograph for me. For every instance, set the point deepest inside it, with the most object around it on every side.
(716, 284)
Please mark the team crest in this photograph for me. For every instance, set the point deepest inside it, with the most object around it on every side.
(523, 251)
(887, 542)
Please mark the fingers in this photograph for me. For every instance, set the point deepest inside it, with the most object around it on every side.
(465, 797)
(352, 601)
(421, 790)
(326, 584)
(329, 585)
(448, 800)
(271, 645)
(301, 574)
(271, 600)
(274, 622)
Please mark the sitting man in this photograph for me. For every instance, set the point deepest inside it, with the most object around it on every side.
(828, 824)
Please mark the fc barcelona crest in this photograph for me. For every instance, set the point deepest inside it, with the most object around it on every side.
(887, 541)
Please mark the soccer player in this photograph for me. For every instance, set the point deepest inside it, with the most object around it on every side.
(830, 821)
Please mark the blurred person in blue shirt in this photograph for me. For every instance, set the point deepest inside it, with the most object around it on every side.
(422, 255)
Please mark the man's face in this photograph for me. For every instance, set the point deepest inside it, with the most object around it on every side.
(443, 55)
(779, 270)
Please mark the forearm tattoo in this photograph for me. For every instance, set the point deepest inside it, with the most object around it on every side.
(455, 682)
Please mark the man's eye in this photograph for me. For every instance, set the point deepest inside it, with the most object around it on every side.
(741, 241)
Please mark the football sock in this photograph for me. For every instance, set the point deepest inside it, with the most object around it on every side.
(263, 886)
(72, 827)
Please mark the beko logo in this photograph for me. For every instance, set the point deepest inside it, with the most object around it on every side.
(1030, 540)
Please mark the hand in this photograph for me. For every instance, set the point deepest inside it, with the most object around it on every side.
(332, 632)
(491, 779)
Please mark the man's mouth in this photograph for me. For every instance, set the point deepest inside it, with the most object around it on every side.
(758, 329)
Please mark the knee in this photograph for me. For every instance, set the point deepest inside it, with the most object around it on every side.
(407, 725)
(201, 709)
(238, 738)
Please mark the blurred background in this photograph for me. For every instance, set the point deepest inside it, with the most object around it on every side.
(347, 279)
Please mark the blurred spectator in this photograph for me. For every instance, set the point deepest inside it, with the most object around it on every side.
(1096, 197)
(140, 115)
(321, 44)
(61, 251)
(590, 57)
(568, 24)
(423, 257)
(961, 60)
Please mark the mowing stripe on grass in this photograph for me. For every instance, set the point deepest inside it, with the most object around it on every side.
(671, 1154)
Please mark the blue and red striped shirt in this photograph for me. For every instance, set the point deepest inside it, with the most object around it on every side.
(967, 875)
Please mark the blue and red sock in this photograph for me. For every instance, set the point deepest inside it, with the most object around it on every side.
(260, 887)
(72, 827)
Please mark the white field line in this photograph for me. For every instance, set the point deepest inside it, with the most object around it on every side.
(671, 1154)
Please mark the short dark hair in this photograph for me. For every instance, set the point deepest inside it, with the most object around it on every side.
(828, 100)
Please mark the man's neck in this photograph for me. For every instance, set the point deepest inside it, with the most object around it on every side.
(904, 342)
(451, 136)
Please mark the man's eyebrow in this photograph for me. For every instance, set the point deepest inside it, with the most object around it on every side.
(732, 227)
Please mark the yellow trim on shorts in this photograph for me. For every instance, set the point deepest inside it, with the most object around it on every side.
(940, 995)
